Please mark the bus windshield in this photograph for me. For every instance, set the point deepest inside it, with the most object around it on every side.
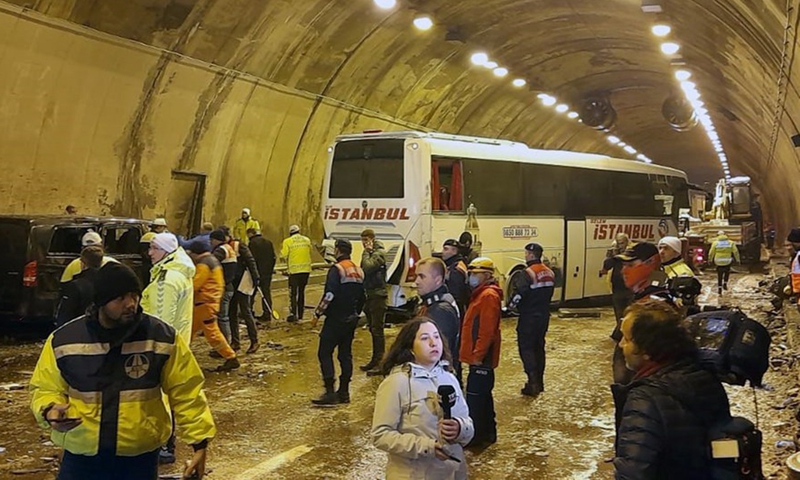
(368, 169)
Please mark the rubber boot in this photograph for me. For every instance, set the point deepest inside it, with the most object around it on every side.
(343, 394)
(329, 397)
(532, 388)
(378, 346)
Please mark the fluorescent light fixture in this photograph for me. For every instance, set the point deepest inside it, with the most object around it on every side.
(661, 30)
(573, 115)
(500, 72)
(613, 139)
(683, 75)
(547, 100)
(423, 23)
(490, 65)
(386, 4)
(686, 85)
(479, 58)
(670, 48)
(630, 150)
(622, 144)
(562, 108)
(519, 82)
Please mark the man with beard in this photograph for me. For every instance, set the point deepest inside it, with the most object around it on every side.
(118, 357)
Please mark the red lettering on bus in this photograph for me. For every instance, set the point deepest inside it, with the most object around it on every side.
(356, 215)
(366, 214)
(380, 213)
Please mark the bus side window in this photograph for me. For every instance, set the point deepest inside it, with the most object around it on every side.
(447, 186)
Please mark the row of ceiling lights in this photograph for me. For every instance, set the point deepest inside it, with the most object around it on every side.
(481, 59)
(693, 96)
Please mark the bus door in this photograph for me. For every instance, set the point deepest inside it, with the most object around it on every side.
(576, 258)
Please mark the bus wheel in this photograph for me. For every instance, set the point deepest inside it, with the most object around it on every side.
(515, 278)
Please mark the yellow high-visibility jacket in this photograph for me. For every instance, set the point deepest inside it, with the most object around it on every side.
(297, 251)
(119, 391)
(677, 269)
(170, 295)
(723, 252)
(240, 228)
(74, 268)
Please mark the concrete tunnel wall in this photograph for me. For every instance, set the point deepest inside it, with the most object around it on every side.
(99, 103)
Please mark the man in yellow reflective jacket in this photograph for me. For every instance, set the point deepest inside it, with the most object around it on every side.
(722, 254)
(242, 224)
(100, 384)
(670, 249)
(296, 249)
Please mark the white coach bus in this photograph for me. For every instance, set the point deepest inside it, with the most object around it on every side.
(414, 190)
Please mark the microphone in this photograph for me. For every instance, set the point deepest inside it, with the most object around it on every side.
(447, 398)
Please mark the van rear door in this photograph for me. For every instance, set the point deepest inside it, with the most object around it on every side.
(13, 257)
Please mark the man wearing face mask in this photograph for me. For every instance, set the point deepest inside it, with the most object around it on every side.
(480, 348)
(121, 359)
(640, 271)
(456, 277)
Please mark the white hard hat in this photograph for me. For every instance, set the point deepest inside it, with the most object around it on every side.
(294, 229)
(91, 238)
(160, 222)
(246, 210)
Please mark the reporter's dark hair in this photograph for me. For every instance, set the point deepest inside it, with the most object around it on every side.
(660, 332)
(401, 350)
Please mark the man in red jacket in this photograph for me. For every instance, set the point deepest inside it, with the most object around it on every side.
(480, 348)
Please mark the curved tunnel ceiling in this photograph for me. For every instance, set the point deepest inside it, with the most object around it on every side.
(346, 65)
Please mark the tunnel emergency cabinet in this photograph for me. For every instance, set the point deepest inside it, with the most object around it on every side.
(417, 189)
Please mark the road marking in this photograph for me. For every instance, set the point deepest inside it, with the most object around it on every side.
(272, 464)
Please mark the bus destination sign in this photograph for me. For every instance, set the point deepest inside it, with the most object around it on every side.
(520, 231)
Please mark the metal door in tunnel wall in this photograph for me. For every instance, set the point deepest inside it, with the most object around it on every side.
(185, 204)
(576, 259)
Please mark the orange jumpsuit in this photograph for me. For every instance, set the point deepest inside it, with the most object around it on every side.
(209, 283)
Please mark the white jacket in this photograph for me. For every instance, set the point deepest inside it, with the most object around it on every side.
(406, 424)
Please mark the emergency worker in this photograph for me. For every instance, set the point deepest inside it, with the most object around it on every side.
(296, 249)
(137, 362)
(144, 252)
(373, 264)
(341, 303)
(437, 302)
(672, 263)
(169, 297)
(227, 258)
(209, 283)
(159, 225)
(78, 295)
(480, 348)
(723, 254)
(90, 238)
(794, 240)
(457, 275)
(621, 295)
(244, 223)
(532, 299)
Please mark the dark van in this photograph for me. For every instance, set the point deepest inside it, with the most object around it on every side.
(35, 250)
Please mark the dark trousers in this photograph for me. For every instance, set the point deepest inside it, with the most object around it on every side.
(103, 466)
(531, 331)
(337, 334)
(723, 273)
(297, 293)
(480, 383)
(621, 373)
(620, 301)
(375, 309)
(264, 283)
(240, 301)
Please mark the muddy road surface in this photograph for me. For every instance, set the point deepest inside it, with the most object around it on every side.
(269, 430)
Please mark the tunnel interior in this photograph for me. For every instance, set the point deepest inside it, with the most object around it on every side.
(102, 102)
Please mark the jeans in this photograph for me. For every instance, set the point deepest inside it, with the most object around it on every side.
(240, 301)
(224, 319)
(105, 465)
(297, 293)
(337, 334)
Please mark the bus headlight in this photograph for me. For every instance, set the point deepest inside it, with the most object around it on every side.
(414, 145)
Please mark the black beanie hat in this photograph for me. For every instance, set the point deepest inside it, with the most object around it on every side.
(794, 236)
(114, 280)
(218, 235)
(198, 247)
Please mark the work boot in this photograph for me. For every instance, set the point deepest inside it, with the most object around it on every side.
(165, 457)
(719, 290)
(329, 397)
(214, 354)
(236, 346)
(725, 286)
(230, 364)
(254, 346)
(374, 372)
(343, 394)
(369, 366)
(291, 318)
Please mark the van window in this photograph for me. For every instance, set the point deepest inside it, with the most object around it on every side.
(122, 239)
(67, 240)
(368, 169)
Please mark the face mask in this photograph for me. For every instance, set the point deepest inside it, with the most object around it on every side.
(474, 281)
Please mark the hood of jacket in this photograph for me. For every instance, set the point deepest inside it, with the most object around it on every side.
(178, 261)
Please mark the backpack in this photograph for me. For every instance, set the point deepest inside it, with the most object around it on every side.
(731, 345)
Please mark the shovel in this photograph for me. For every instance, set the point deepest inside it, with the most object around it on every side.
(267, 307)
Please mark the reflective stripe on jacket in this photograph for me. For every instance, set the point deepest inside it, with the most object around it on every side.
(795, 275)
(405, 424)
(170, 295)
(723, 252)
(677, 268)
(116, 386)
(297, 251)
